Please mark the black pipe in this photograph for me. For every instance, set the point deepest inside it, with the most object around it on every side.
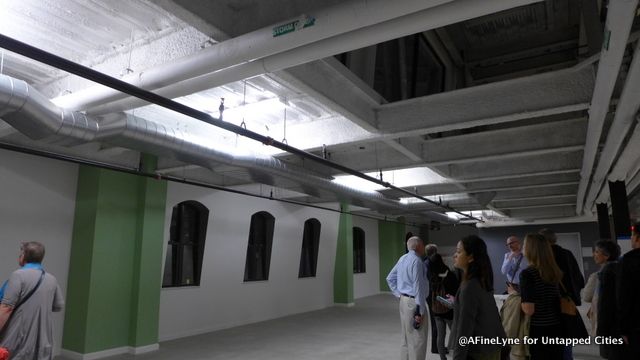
(90, 74)
(134, 171)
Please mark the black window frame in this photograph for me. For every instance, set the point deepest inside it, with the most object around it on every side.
(359, 251)
(310, 245)
(185, 236)
(259, 246)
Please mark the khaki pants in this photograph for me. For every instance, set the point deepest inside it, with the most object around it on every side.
(414, 342)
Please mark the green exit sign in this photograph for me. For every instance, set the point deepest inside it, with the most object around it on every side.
(292, 26)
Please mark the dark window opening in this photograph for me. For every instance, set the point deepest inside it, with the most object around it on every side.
(259, 248)
(309, 254)
(187, 235)
(404, 244)
(359, 251)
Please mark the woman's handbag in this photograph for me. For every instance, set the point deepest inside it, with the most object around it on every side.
(570, 318)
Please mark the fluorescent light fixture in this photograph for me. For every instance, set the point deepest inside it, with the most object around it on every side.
(401, 178)
(481, 214)
(444, 198)
(357, 183)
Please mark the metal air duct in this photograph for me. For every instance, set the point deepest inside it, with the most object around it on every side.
(28, 111)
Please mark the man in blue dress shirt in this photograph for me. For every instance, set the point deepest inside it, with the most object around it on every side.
(513, 264)
(408, 281)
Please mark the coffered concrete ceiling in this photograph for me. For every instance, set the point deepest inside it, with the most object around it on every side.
(484, 106)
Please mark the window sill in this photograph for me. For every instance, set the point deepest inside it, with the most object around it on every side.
(181, 287)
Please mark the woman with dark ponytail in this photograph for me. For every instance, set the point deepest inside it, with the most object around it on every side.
(475, 313)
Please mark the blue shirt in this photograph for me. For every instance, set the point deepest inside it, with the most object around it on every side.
(409, 277)
(509, 267)
(36, 266)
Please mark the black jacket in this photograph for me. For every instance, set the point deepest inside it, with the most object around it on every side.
(450, 284)
(629, 293)
(572, 278)
(608, 317)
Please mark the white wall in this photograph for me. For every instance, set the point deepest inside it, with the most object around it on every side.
(37, 203)
(368, 283)
(223, 300)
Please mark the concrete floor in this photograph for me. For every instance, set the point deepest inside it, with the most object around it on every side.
(370, 330)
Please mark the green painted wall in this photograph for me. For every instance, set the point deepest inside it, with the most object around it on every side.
(343, 272)
(147, 283)
(391, 245)
(114, 279)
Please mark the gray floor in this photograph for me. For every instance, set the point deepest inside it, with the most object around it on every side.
(370, 330)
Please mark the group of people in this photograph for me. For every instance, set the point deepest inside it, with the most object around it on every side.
(614, 311)
(539, 274)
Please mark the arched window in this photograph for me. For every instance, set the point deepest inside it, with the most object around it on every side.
(309, 254)
(259, 248)
(359, 251)
(187, 234)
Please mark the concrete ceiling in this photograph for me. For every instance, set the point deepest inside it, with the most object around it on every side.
(495, 102)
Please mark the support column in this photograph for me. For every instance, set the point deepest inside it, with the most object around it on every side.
(391, 245)
(115, 267)
(603, 221)
(147, 276)
(620, 209)
(343, 271)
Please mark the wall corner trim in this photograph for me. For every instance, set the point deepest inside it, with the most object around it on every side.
(110, 352)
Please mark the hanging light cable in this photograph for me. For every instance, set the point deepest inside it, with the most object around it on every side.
(284, 136)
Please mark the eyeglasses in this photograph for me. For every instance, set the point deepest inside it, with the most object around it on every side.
(511, 243)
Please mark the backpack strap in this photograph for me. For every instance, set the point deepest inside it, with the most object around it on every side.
(22, 301)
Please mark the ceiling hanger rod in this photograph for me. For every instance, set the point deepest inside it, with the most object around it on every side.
(58, 62)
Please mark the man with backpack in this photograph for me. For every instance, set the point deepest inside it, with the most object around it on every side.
(442, 282)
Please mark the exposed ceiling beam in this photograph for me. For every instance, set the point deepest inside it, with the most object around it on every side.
(430, 190)
(515, 166)
(620, 16)
(517, 141)
(623, 121)
(541, 192)
(534, 96)
(541, 197)
(532, 52)
(526, 71)
(543, 213)
(518, 176)
(325, 81)
(559, 149)
(534, 206)
(304, 49)
(395, 144)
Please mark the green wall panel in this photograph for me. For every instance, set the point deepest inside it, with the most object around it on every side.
(147, 273)
(77, 299)
(391, 245)
(114, 280)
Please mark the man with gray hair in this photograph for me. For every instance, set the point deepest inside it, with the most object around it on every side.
(408, 281)
(431, 249)
(28, 299)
